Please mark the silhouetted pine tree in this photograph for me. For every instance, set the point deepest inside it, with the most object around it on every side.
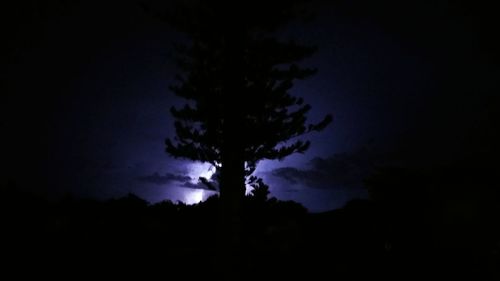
(236, 77)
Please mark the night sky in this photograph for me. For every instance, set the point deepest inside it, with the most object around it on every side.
(86, 109)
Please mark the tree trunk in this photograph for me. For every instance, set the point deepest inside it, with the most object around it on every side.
(232, 178)
(232, 185)
(232, 188)
(232, 192)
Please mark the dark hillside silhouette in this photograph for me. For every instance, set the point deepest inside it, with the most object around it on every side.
(392, 235)
(443, 220)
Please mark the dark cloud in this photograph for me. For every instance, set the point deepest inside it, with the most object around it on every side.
(294, 175)
(198, 185)
(339, 170)
(167, 178)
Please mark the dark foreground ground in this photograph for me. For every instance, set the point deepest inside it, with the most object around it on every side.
(278, 240)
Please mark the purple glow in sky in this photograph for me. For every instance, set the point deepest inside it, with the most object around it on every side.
(411, 92)
(110, 123)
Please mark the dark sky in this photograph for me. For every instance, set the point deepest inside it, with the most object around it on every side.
(86, 109)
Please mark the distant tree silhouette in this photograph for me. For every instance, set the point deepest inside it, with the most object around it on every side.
(237, 76)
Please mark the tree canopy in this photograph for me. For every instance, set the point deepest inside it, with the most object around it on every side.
(236, 76)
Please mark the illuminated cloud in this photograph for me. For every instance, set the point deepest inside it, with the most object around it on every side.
(339, 170)
(156, 178)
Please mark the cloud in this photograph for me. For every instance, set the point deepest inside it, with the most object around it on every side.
(339, 170)
(156, 178)
(168, 178)
(198, 185)
(294, 175)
